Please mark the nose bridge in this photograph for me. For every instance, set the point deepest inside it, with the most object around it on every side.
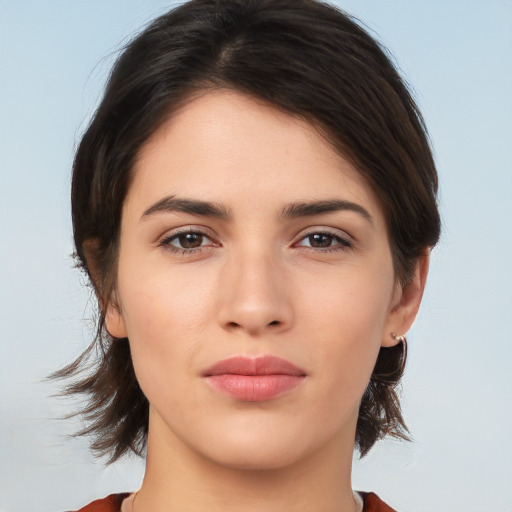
(254, 296)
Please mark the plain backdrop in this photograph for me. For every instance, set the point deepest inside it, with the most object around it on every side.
(457, 56)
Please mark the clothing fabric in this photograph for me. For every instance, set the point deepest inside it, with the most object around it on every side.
(112, 503)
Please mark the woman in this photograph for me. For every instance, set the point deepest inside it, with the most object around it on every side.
(254, 202)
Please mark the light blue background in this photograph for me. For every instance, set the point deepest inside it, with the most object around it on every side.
(457, 54)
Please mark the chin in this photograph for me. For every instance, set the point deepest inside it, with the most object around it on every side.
(261, 447)
(263, 457)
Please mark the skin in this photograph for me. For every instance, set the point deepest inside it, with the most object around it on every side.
(255, 284)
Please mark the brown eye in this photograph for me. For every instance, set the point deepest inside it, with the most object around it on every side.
(325, 241)
(186, 241)
(189, 240)
(320, 240)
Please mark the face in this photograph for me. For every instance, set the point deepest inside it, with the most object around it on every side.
(255, 284)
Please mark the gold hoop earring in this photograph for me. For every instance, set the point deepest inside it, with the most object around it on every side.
(390, 365)
(401, 339)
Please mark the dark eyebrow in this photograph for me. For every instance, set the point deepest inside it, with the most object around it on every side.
(290, 211)
(308, 209)
(193, 206)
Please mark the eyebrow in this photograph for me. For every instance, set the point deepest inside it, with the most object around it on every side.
(218, 211)
(309, 209)
(192, 206)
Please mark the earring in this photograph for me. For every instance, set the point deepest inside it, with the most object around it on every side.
(401, 339)
(398, 337)
(390, 365)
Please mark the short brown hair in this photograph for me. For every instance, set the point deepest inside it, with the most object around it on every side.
(304, 57)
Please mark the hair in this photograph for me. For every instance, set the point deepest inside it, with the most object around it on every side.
(304, 57)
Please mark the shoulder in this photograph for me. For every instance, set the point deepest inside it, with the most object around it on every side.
(111, 503)
(372, 503)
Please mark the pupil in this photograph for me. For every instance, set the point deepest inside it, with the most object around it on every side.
(320, 240)
(190, 240)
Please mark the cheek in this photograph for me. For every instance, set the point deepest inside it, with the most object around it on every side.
(166, 320)
(157, 300)
(346, 317)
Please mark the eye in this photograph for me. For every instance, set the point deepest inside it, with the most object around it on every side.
(325, 242)
(186, 241)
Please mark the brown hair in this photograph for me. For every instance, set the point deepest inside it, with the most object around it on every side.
(304, 57)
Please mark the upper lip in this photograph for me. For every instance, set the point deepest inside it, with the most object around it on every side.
(262, 365)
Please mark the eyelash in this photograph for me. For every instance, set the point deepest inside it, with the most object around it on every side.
(342, 243)
(166, 242)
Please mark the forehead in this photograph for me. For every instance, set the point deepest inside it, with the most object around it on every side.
(230, 147)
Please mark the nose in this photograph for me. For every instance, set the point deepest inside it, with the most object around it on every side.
(254, 295)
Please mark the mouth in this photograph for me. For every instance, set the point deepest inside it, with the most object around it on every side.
(254, 379)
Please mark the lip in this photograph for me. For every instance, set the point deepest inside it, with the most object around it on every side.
(254, 379)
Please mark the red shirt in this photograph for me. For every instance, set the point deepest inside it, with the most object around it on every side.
(112, 503)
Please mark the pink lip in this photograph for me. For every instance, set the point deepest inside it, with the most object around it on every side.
(254, 379)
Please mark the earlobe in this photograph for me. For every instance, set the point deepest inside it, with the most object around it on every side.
(114, 321)
(405, 307)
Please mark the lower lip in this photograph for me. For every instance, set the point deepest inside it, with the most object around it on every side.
(254, 388)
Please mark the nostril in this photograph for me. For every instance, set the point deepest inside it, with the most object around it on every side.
(274, 322)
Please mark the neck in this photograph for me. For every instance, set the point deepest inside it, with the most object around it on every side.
(178, 478)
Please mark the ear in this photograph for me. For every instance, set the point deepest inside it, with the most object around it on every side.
(114, 322)
(406, 302)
